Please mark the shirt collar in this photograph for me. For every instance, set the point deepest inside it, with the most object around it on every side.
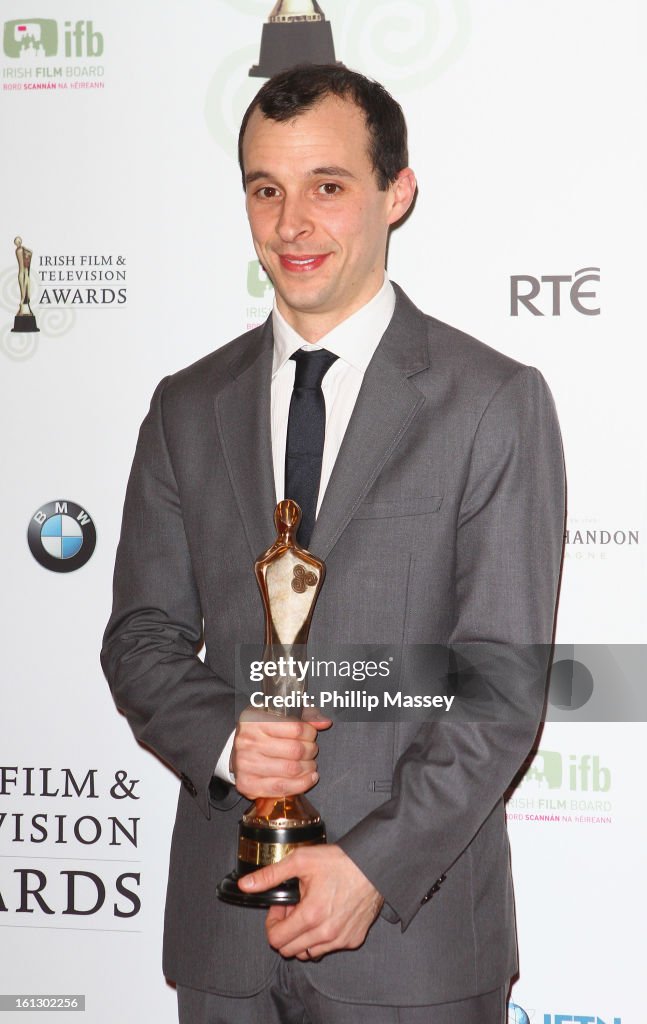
(354, 340)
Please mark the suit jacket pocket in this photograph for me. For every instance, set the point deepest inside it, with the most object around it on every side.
(399, 507)
(381, 786)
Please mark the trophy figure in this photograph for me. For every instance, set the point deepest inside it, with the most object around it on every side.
(296, 32)
(290, 579)
(24, 321)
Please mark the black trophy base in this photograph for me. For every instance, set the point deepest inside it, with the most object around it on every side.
(287, 893)
(259, 845)
(25, 323)
(283, 45)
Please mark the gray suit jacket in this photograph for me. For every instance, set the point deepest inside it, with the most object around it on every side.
(442, 524)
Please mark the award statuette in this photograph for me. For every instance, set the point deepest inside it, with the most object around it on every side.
(296, 32)
(290, 579)
(24, 321)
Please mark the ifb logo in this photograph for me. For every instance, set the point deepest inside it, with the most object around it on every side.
(524, 288)
(32, 38)
(61, 536)
(36, 37)
(584, 772)
(257, 280)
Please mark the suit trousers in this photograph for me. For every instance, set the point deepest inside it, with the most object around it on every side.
(291, 998)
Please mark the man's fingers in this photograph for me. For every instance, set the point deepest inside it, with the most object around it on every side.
(293, 935)
(316, 718)
(291, 941)
(306, 946)
(255, 786)
(258, 764)
(272, 874)
(277, 912)
(275, 757)
(286, 749)
(291, 931)
(290, 728)
(291, 761)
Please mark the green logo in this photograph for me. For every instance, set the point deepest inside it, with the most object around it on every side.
(34, 37)
(546, 769)
(576, 772)
(258, 283)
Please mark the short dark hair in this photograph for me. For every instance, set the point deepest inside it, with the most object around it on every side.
(292, 92)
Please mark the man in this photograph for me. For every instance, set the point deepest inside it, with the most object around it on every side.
(439, 513)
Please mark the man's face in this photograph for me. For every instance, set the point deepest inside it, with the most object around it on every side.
(318, 219)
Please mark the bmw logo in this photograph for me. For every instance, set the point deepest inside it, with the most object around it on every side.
(61, 536)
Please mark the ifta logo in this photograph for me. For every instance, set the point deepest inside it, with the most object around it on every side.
(61, 536)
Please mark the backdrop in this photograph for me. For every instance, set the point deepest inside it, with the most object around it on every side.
(120, 185)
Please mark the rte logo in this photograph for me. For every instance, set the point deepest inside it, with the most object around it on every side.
(548, 289)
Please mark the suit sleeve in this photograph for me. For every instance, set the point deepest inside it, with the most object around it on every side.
(174, 703)
(509, 538)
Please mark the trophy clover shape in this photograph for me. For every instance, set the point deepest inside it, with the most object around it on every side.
(302, 579)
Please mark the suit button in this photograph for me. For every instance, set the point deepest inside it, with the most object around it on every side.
(434, 889)
(188, 785)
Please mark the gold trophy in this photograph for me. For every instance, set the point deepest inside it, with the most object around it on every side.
(296, 32)
(24, 321)
(290, 579)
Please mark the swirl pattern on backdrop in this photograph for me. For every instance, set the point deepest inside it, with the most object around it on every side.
(229, 93)
(56, 321)
(404, 43)
(52, 322)
(18, 347)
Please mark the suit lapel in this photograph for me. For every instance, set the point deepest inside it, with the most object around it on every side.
(387, 403)
(243, 419)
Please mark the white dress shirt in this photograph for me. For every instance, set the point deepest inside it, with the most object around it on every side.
(354, 341)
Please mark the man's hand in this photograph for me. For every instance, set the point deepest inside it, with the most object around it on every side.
(276, 756)
(338, 903)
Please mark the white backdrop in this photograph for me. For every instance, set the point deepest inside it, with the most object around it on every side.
(119, 156)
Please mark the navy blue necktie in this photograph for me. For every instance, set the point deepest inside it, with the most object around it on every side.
(305, 438)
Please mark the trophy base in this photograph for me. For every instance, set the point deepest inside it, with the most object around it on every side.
(25, 323)
(297, 42)
(287, 893)
(262, 845)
